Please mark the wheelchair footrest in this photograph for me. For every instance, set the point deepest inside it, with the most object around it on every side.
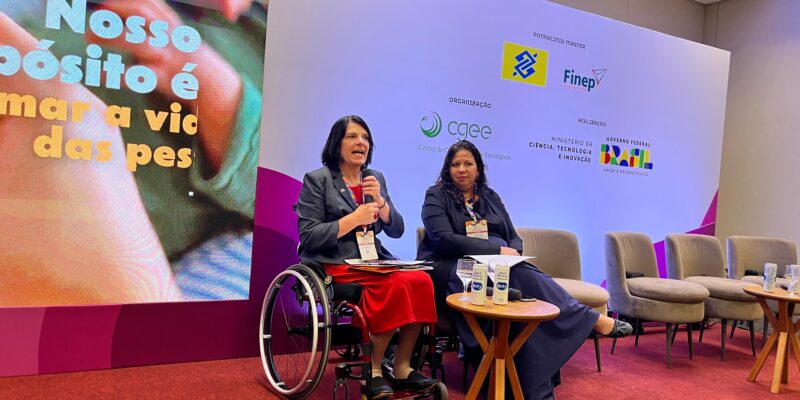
(345, 371)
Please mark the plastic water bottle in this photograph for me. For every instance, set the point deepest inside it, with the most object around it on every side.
(770, 273)
(478, 295)
(501, 273)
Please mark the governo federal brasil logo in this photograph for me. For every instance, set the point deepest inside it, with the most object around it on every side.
(431, 125)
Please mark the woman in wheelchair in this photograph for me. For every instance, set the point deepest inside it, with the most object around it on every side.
(462, 196)
(342, 208)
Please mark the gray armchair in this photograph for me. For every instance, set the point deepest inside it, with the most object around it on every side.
(558, 255)
(751, 253)
(699, 259)
(648, 297)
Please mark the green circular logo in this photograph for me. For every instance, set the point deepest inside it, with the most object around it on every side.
(431, 125)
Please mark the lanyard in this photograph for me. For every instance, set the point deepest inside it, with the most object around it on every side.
(470, 209)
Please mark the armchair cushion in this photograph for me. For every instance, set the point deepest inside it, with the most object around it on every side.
(759, 280)
(667, 290)
(724, 288)
(586, 293)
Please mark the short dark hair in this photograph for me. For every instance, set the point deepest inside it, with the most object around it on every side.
(331, 156)
(446, 179)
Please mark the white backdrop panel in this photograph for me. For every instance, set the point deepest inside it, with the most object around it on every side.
(394, 63)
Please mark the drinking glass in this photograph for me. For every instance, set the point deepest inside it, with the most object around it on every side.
(793, 275)
(464, 272)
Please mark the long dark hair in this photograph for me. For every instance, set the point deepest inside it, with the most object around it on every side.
(331, 156)
(446, 180)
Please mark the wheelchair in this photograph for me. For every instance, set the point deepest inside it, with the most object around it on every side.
(302, 317)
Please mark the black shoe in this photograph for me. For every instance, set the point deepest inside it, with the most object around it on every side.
(620, 329)
(415, 382)
(379, 388)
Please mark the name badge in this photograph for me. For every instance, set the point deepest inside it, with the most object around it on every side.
(478, 229)
(366, 244)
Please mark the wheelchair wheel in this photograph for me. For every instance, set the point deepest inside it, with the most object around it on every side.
(439, 392)
(294, 332)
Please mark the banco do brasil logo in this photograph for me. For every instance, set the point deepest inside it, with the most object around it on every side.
(431, 125)
(524, 64)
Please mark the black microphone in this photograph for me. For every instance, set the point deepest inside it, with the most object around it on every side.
(367, 198)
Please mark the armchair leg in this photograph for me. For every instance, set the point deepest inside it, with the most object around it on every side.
(637, 328)
(733, 328)
(751, 325)
(613, 345)
(675, 332)
(722, 341)
(597, 350)
(669, 345)
(689, 336)
(702, 329)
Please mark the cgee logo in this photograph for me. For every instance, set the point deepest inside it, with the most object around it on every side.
(431, 125)
(524, 64)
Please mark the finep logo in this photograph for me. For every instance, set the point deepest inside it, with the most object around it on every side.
(524, 64)
(431, 125)
(583, 82)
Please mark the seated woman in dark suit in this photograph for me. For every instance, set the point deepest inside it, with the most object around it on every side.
(335, 207)
(460, 196)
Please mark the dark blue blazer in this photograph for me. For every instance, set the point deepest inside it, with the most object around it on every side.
(324, 199)
(446, 237)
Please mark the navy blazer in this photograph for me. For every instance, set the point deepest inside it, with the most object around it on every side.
(324, 199)
(446, 237)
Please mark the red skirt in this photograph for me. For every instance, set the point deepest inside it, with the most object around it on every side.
(390, 301)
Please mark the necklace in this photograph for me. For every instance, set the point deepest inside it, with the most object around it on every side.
(469, 197)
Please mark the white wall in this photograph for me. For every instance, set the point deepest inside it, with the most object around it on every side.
(759, 182)
(681, 18)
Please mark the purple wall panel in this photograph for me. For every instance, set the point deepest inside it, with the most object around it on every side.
(76, 338)
(20, 330)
